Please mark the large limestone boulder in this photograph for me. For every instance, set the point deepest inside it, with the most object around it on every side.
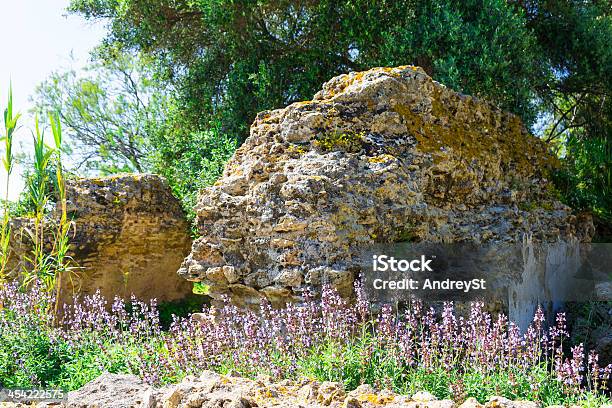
(380, 156)
(130, 237)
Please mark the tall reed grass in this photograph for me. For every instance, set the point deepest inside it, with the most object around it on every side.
(48, 261)
(10, 124)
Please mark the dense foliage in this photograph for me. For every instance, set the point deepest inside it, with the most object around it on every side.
(586, 178)
(448, 355)
(231, 59)
(190, 162)
(575, 38)
(548, 61)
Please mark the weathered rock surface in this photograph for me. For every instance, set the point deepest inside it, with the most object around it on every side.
(130, 237)
(380, 156)
(211, 390)
(111, 391)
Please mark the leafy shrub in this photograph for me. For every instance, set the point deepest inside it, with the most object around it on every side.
(191, 162)
(586, 179)
(180, 308)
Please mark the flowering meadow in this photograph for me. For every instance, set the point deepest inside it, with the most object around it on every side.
(448, 355)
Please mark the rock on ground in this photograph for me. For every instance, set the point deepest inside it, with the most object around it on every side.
(130, 236)
(211, 390)
(380, 156)
(111, 391)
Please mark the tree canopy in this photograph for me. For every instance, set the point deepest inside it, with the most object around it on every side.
(112, 109)
(231, 59)
(549, 61)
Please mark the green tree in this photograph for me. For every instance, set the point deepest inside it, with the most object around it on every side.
(575, 38)
(549, 61)
(110, 110)
(119, 117)
(231, 59)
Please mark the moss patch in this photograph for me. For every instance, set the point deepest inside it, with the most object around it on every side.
(511, 142)
(407, 233)
(350, 142)
(295, 149)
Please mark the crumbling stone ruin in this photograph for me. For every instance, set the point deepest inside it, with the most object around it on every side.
(130, 236)
(380, 156)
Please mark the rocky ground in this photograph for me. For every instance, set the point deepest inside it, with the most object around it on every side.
(211, 390)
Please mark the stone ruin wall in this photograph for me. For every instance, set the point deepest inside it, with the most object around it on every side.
(381, 156)
(129, 237)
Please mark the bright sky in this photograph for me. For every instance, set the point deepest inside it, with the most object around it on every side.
(36, 38)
